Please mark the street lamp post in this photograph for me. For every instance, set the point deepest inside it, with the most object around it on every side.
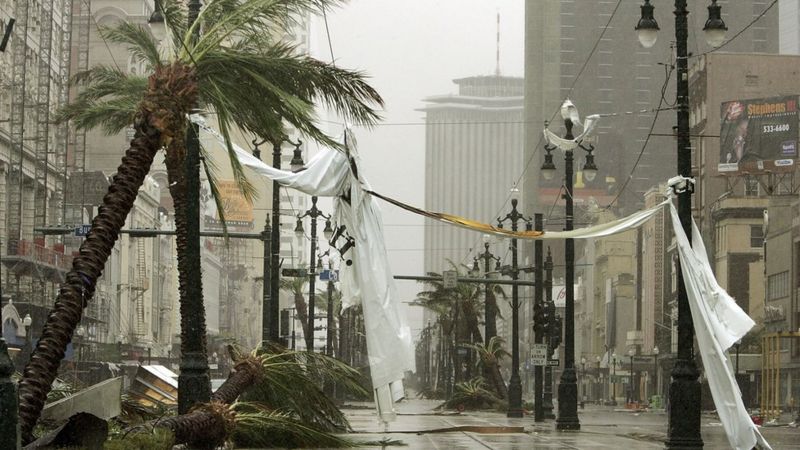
(567, 386)
(656, 384)
(631, 353)
(552, 334)
(583, 380)
(194, 380)
(684, 415)
(598, 395)
(490, 305)
(313, 213)
(613, 380)
(266, 291)
(514, 384)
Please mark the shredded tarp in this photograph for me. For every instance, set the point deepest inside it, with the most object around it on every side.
(718, 322)
(368, 281)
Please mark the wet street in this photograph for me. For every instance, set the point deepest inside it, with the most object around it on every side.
(418, 426)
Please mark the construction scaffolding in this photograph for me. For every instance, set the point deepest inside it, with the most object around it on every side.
(771, 366)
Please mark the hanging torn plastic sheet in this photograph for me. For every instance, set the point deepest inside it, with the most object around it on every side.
(368, 281)
(718, 322)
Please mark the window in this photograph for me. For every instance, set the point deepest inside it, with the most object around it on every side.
(756, 236)
(778, 285)
(751, 187)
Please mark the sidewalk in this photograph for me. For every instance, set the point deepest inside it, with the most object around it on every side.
(418, 426)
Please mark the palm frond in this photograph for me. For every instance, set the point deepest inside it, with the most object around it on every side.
(293, 380)
(246, 188)
(222, 19)
(210, 170)
(175, 19)
(137, 39)
(112, 116)
(260, 426)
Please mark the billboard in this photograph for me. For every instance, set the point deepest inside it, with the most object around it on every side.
(238, 211)
(758, 135)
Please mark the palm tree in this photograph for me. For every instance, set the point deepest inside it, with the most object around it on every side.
(236, 70)
(489, 357)
(458, 313)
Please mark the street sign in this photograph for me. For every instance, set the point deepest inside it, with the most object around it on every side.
(539, 354)
(618, 379)
(450, 279)
(553, 362)
(329, 275)
(294, 273)
(83, 230)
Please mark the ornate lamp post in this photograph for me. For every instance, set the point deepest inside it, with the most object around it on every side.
(613, 379)
(567, 386)
(514, 384)
(490, 305)
(684, 415)
(313, 213)
(656, 384)
(598, 394)
(631, 353)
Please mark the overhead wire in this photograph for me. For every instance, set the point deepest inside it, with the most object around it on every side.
(668, 74)
(752, 22)
(538, 146)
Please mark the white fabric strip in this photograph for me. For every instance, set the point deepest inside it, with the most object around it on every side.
(718, 322)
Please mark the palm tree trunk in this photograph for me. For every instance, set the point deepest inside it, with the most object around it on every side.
(87, 267)
(245, 374)
(200, 429)
(301, 307)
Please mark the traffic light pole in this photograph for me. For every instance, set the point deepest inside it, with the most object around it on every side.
(538, 389)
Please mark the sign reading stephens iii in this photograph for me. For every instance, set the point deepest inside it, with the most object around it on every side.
(758, 135)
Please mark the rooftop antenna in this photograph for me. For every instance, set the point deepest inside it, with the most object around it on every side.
(497, 55)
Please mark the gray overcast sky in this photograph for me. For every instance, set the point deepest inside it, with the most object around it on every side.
(413, 49)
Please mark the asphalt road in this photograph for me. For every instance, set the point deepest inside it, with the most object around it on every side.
(601, 428)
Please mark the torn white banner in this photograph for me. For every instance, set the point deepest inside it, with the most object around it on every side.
(718, 322)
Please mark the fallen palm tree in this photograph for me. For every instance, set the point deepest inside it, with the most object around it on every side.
(282, 404)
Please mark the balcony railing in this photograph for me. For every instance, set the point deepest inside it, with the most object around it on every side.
(38, 253)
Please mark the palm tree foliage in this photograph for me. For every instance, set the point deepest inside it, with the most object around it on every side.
(238, 71)
(459, 313)
(281, 403)
(472, 394)
(489, 359)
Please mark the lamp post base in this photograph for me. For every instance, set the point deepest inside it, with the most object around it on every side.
(547, 397)
(515, 397)
(194, 383)
(684, 408)
(568, 402)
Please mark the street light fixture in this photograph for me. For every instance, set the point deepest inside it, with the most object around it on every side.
(297, 163)
(567, 387)
(514, 384)
(684, 422)
(647, 28)
(313, 213)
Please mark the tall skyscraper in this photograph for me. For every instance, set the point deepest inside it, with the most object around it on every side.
(473, 157)
(613, 74)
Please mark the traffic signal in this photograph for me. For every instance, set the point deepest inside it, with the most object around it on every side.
(539, 326)
(547, 317)
(555, 333)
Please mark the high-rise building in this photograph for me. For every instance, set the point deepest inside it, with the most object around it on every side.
(789, 26)
(619, 76)
(473, 142)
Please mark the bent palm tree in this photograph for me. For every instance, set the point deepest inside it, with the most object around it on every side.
(237, 71)
(296, 287)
